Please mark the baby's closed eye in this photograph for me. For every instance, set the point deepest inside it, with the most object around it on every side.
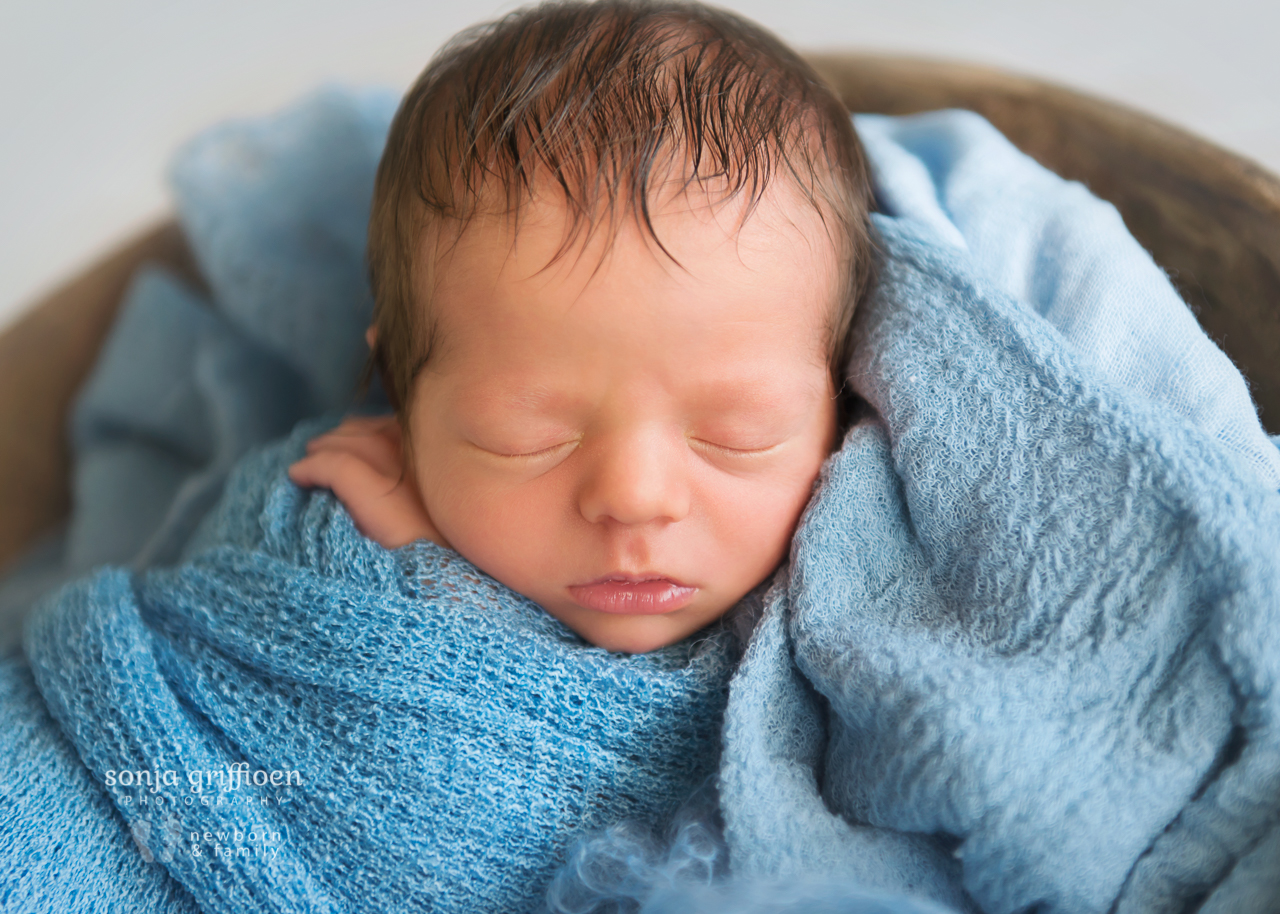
(526, 452)
(741, 446)
(743, 432)
(521, 440)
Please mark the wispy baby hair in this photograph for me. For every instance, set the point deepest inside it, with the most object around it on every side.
(602, 100)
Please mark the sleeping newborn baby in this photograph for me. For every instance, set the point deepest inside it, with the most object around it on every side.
(615, 251)
(1025, 653)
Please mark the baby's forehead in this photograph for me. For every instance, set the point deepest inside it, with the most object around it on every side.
(683, 222)
(710, 282)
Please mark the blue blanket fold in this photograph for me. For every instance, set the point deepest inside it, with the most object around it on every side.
(1067, 256)
(1043, 617)
(1023, 655)
(276, 210)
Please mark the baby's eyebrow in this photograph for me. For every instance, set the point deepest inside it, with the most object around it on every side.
(747, 393)
(755, 392)
(525, 398)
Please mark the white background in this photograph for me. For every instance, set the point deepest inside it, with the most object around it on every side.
(94, 94)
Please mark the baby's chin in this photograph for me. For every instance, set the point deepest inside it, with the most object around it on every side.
(622, 641)
(626, 633)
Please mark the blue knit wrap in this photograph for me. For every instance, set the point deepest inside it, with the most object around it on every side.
(436, 740)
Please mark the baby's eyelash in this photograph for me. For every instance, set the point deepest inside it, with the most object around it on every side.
(541, 452)
(734, 451)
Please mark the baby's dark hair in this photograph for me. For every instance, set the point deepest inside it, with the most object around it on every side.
(600, 99)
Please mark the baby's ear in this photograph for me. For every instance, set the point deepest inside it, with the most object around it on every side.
(371, 337)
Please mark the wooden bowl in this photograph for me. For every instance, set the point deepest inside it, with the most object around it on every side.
(1209, 217)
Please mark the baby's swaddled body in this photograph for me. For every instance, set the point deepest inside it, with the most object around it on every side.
(439, 739)
(611, 353)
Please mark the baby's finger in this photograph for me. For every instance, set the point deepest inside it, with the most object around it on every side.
(325, 467)
(352, 480)
(377, 449)
(322, 469)
(387, 510)
(359, 425)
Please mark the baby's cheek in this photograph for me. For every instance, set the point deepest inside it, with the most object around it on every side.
(506, 531)
(755, 521)
(758, 527)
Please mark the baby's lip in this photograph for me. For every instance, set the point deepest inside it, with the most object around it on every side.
(633, 594)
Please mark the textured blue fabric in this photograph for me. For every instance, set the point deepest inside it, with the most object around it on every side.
(1067, 255)
(1030, 613)
(450, 739)
(62, 846)
(151, 456)
(827, 896)
(275, 211)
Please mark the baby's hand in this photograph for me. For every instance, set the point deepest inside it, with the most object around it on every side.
(361, 461)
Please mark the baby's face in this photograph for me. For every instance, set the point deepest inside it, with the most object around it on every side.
(627, 441)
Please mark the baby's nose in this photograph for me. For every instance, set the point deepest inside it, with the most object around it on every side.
(635, 478)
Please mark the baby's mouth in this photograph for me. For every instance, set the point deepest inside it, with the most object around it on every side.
(632, 594)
